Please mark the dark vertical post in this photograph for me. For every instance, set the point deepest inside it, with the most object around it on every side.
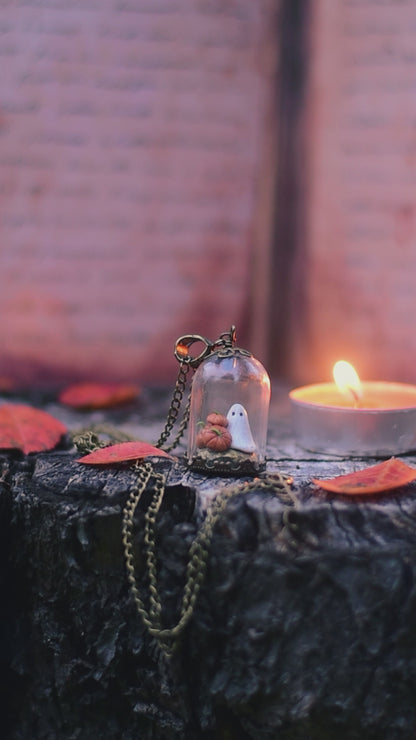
(293, 25)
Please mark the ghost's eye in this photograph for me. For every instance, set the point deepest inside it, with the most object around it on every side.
(241, 413)
(233, 413)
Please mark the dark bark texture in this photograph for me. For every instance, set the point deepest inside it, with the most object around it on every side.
(304, 628)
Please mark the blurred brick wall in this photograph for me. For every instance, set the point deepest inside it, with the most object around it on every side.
(355, 296)
(131, 154)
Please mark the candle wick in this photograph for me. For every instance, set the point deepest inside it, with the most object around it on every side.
(355, 397)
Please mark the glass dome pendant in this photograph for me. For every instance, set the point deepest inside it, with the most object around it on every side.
(229, 407)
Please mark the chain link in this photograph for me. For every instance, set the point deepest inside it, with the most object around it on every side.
(143, 475)
(174, 409)
(88, 440)
(150, 548)
(168, 638)
(280, 485)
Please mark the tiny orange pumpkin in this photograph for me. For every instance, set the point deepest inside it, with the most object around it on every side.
(217, 419)
(216, 438)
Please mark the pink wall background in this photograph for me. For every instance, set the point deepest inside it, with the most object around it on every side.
(359, 252)
(130, 167)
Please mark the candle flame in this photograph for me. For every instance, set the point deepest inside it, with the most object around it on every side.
(347, 381)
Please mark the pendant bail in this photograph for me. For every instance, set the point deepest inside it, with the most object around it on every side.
(184, 343)
(226, 339)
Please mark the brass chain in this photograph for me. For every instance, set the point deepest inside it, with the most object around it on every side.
(145, 475)
(88, 440)
(174, 409)
(168, 638)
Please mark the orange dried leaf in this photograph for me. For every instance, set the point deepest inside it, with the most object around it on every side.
(122, 452)
(6, 383)
(28, 429)
(97, 395)
(385, 476)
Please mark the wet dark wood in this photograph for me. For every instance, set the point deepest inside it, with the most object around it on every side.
(304, 627)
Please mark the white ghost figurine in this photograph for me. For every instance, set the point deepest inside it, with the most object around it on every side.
(239, 428)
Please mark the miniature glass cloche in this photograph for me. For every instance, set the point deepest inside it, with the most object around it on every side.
(228, 411)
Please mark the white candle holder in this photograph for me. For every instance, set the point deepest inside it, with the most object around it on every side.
(384, 423)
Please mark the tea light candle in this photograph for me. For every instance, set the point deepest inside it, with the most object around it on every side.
(355, 418)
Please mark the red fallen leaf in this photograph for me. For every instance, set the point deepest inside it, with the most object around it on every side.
(97, 395)
(385, 476)
(28, 429)
(121, 452)
(6, 383)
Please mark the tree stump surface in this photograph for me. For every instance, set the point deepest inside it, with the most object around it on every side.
(303, 628)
